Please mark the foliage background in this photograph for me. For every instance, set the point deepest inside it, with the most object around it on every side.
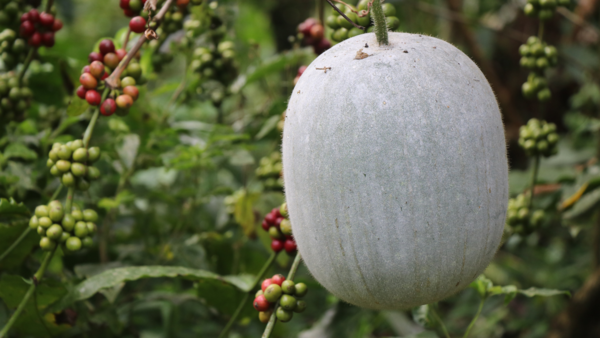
(168, 169)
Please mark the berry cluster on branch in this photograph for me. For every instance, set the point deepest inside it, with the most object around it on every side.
(278, 225)
(519, 218)
(72, 162)
(312, 34)
(539, 138)
(15, 98)
(537, 56)
(342, 29)
(269, 171)
(279, 295)
(39, 28)
(543, 9)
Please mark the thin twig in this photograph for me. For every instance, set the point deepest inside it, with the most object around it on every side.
(474, 318)
(126, 39)
(536, 166)
(26, 64)
(344, 15)
(439, 320)
(49, 6)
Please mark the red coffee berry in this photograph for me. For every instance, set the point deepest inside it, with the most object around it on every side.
(276, 212)
(108, 107)
(34, 15)
(301, 70)
(48, 39)
(124, 4)
(88, 81)
(137, 24)
(58, 25)
(305, 27)
(321, 46)
(131, 91)
(261, 303)
(121, 53)
(107, 46)
(182, 3)
(25, 17)
(265, 225)
(106, 74)
(276, 245)
(95, 56)
(111, 60)
(290, 246)
(81, 92)
(270, 218)
(27, 29)
(278, 221)
(278, 279)
(265, 284)
(85, 69)
(97, 69)
(47, 19)
(124, 101)
(129, 13)
(317, 31)
(93, 97)
(35, 40)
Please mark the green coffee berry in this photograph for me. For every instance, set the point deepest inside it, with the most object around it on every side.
(42, 211)
(81, 229)
(79, 169)
(76, 145)
(91, 227)
(286, 227)
(68, 222)
(88, 242)
(73, 244)
(47, 244)
(93, 173)
(49, 163)
(56, 213)
(54, 171)
(64, 237)
(82, 184)
(64, 152)
(41, 231)
(275, 233)
(80, 155)
(63, 166)
(54, 232)
(68, 179)
(300, 306)
(45, 222)
(258, 293)
(283, 210)
(272, 293)
(288, 287)
(90, 215)
(287, 302)
(301, 290)
(284, 315)
(33, 222)
(77, 215)
(53, 155)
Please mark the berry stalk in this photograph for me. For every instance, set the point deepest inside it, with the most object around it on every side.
(26, 65)
(87, 135)
(379, 21)
(536, 166)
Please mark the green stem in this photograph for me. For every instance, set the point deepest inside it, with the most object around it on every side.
(439, 320)
(26, 65)
(541, 30)
(474, 318)
(15, 244)
(247, 295)
(379, 21)
(87, 135)
(55, 195)
(36, 279)
(536, 166)
(291, 274)
(69, 202)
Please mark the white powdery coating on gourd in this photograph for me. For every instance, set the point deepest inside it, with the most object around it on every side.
(395, 171)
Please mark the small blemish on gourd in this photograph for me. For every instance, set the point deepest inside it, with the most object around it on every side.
(490, 190)
(384, 103)
(457, 284)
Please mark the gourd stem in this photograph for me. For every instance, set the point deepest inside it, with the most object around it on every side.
(264, 269)
(273, 319)
(474, 318)
(379, 22)
(536, 166)
(439, 320)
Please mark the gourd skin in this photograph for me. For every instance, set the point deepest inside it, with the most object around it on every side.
(395, 171)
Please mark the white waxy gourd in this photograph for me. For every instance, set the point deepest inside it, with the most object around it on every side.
(395, 170)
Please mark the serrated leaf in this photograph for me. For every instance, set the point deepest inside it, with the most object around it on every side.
(532, 292)
(10, 208)
(19, 150)
(77, 107)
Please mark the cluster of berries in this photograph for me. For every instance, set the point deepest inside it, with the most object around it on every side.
(269, 170)
(39, 28)
(278, 225)
(342, 29)
(536, 55)
(14, 98)
(132, 8)
(277, 291)
(539, 138)
(13, 50)
(216, 64)
(543, 9)
(72, 163)
(313, 34)
(58, 227)
(519, 218)
(101, 65)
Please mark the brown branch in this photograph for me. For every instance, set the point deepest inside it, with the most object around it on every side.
(112, 80)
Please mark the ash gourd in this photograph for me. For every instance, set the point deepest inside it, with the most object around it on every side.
(395, 170)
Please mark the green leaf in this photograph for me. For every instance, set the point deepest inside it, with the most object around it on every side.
(77, 107)
(532, 292)
(19, 150)
(587, 203)
(482, 285)
(269, 125)
(64, 124)
(10, 208)
(244, 213)
(8, 235)
(420, 315)
(124, 196)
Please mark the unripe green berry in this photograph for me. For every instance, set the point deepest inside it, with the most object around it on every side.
(77, 215)
(529, 145)
(545, 14)
(284, 315)
(73, 243)
(300, 306)
(87, 242)
(56, 213)
(49, 163)
(92, 228)
(56, 146)
(63, 166)
(64, 237)
(79, 169)
(288, 302)
(544, 95)
(258, 293)
(288, 287)
(301, 290)
(81, 229)
(76, 145)
(68, 180)
(47, 244)
(54, 232)
(552, 138)
(93, 154)
(68, 222)
(542, 146)
(523, 213)
(265, 316)
(54, 171)
(82, 184)
(80, 155)
(283, 210)
(93, 173)
(272, 293)
(64, 152)
(537, 217)
(286, 227)
(53, 155)
(45, 222)
(41, 231)
(90, 215)
(275, 233)
(42, 211)
(128, 81)
(529, 10)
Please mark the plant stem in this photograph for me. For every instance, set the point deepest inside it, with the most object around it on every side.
(36, 279)
(541, 30)
(26, 65)
(49, 5)
(439, 320)
(345, 17)
(69, 202)
(87, 135)
(536, 166)
(474, 318)
(55, 195)
(232, 320)
(273, 319)
(379, 21)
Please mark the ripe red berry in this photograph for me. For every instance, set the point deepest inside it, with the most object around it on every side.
(124, 101)
(121, 53)
(124, 4)
(95, 56)
(270, 218)
(265, 284)
(305, 26)
(107, 46)
(131, 91)
(278, 279)
(93, 97)
(129, 13)
(25, 17)
(58, 25)
(301, 70)
(106, 74)
(261, 303)
(27, 29)
(88, 81)
(278, 221)
(111, 60)
(321, 46)
(276, 245)
(34, 15)
(108, 107)
(81, 92)
(137, 24)
(317, 32)
(85, 69)
(265, 225)
(47, 19)
(35, 40)
(96, 69)
(182, 3)
(48, 39)
(276, 212)
(290, 246)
